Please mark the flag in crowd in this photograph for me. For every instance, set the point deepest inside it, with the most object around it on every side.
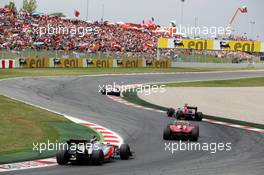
(77, 13)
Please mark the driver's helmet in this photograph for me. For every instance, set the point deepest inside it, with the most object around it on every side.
(185, 108)
(94, 139)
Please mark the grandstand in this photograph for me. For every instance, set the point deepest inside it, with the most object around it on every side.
(25, 35)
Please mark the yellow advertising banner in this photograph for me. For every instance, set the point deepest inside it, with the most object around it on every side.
(195, 44)
(99, 63)
(163, 43)
(162, 63)
(69, 63)
(34, 63)
(244, 46)
(229, 45)
(130, 63)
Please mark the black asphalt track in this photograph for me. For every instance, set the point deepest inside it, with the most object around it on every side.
(79, 97)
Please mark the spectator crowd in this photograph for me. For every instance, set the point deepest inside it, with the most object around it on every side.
(19, 31)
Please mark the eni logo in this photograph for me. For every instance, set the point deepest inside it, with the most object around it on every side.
(37, 63)
(102, 63)
(70, 63)
(245, 47)
(161, 64)
(199, 45)
(131, 63)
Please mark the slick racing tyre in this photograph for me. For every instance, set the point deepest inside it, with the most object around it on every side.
(62, 157)
(166, 133)
(195, 134)
(124, 152)
(199, 116)
(97, 157)
(170, 112)
(103, 91)
(179, 115)
(117, 94)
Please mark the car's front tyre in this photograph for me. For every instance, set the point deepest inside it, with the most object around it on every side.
(170, 112)
(166, 134)
(124, 152)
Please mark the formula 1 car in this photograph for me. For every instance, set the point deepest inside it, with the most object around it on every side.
(185, 113)
(111, 91)
(181, 130)
(91, 152)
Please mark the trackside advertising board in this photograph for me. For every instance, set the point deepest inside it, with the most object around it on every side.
(99, 63)
(130, 63)
(34, 63)
(162, 63)
(69, 63)
(228, 45)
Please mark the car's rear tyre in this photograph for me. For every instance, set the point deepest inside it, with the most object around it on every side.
(170, 112)
(179, 115)
(166, 134)
(103, 92)
(124, 152)
(199, 116)
(97, 157)
(62, 157)
(195, 133)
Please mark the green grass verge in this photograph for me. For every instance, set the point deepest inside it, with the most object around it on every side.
(22, 125)
(9, 73)
(247, 82)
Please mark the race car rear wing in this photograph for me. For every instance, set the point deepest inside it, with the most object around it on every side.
(191, 107)
(77, 141)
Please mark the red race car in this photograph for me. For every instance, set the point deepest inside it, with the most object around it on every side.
(185, 113)
(181, 130)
